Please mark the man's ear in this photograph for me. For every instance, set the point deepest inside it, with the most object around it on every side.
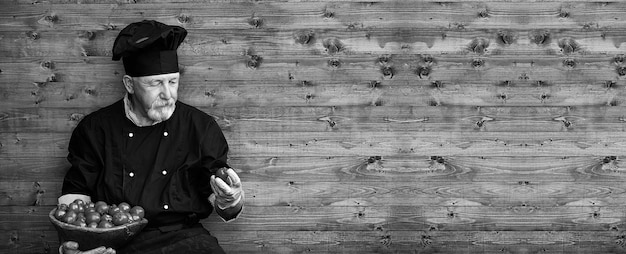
(129, 84)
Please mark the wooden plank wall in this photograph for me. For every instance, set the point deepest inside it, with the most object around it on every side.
(357, 127)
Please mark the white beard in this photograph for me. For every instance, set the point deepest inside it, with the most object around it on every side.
(161, 111)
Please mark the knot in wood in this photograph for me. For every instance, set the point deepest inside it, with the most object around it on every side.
(477, 63)
(610, 84)
(183, 19)
(374, 84)
(479, 45)
(437, 159)
(484, 13)
(48, 65)
(304, 37)
(619, 58)
(52, 78)
(384, 59)
(480, 123)
(436, 84)
(52, 18)
(506, 37)
(373, 159)
(254, 61)
(569, 63)
(388, 71)
(621, 70)
(110, 26)
(333, 45)
(32, 35)
(422, 71)
(255, 22)
(91, 91)
(563, 13)
(87, 35)
(433, 103)
(334, 63)
(540, 83)
(524, 76)
(568, 45)
(428, 59)
(540, 37)
(328, 14)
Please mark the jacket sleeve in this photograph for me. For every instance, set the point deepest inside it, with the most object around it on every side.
(214, 154)
(85, 156)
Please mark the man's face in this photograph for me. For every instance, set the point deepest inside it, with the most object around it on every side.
(155, 96)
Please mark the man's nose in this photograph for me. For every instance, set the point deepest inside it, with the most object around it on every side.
(166, 92)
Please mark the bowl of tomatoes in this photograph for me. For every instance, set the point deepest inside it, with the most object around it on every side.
(92, 225)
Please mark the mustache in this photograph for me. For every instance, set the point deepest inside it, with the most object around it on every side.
(162, 103)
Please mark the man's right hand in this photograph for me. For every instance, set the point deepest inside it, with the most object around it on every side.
(72, 248)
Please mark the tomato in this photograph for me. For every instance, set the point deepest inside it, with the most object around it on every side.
(221, 173)
(102, 207)
(106, 217)
(69, 217)
(91, 210)
(105, 224)
(120, 218)
(74, 207)
(92, 217)
(92, 225)
(59, 214)
(114, 209)
(90, 205)
(79, 223)
(79, 202)
(137, 210)
(124, 207)
(62, 207)
(135, 217)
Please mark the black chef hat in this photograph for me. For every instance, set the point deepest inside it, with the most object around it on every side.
(148, 48)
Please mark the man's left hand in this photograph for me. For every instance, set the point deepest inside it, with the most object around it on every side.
(227, 194)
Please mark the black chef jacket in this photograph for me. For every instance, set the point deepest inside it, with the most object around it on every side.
(165, 168)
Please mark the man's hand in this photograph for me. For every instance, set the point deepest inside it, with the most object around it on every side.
(229, 194)
(72, 248)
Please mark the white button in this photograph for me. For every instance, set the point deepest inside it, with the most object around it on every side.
(131, 174)
(166, 207)
(165, 134)
(164, 172)
(130, 134)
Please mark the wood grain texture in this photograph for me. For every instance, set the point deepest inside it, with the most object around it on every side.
(356, 127)
(350, 118)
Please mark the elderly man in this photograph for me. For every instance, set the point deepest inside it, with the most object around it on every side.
(151, 150)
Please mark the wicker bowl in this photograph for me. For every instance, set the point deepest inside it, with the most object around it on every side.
(90, 238)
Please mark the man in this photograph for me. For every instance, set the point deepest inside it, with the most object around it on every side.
(151, 150)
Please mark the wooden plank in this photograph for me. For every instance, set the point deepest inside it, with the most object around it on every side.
(333, 144)
(366, 218)
(364, 168)
(301, 42)
(333, 15)
(350, 118)
(309, 92)
(376, 241)
(303, 192)
(447, 68)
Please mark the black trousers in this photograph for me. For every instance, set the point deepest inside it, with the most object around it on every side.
(190, 239)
